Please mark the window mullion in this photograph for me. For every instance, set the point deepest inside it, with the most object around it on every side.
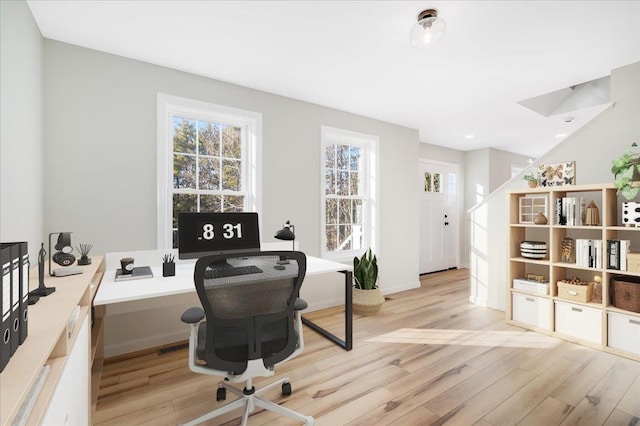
(197, 154)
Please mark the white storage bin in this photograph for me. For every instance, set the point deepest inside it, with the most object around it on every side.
(579, 321)
(532, 310)
(624, 332)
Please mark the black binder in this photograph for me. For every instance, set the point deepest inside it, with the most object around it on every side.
(5, 304)
(15, 296)
(23, 251)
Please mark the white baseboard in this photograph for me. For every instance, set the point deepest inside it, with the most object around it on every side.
(489, 303)
(390, 289)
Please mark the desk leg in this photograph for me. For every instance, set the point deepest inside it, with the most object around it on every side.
(346, 344)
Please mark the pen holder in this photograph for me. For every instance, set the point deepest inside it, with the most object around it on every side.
(168, 269)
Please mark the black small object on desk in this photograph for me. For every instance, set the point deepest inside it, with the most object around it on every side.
(168, 266)
(84, 254)
(287, 233)
(168, 269)
(141, 272)
(42, 290)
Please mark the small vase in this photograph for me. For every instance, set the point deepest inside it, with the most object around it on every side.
(540, 219)
(532, 183)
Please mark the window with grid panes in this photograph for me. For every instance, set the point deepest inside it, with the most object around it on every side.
(347, 192)
(209, 162)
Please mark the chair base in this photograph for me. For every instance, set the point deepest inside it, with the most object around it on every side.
(249, 399)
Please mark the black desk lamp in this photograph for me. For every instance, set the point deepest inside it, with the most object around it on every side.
(287, 233)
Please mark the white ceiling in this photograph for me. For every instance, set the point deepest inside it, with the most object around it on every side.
(355, 56)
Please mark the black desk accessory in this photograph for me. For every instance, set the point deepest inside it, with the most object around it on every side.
(42, 290)
(84, 254)
(168, 266)
(136, 274)
(63, 256)
(287, 233)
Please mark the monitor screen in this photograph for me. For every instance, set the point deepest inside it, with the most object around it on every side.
(202, 234)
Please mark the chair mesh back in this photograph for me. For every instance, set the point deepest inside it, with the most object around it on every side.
(249, 316)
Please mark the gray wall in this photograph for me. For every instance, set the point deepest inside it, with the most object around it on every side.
(21, 164)
(596, 144)
(100, 136)
(440, 153)
(592, 148)
(485, 171)
(500, 167)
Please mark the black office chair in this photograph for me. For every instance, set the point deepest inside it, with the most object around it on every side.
(253, 324)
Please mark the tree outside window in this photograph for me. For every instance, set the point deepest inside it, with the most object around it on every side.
(208, 161)
(207, 168)
(347, 200)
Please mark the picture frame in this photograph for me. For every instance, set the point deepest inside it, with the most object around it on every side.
(558, 174)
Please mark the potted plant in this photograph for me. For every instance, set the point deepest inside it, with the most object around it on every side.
(532, 180)
(626, 174)
(367, 297)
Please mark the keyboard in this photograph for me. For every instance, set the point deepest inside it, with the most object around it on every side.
(231, 271)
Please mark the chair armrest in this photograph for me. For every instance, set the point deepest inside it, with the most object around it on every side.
(192, 315)
(300, 305)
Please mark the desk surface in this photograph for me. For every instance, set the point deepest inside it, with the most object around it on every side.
(125, 291)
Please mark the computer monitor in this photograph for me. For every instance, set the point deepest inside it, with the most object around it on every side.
(202, 234)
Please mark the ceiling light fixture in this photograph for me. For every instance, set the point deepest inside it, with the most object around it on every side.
(429, 30)
(470, 136)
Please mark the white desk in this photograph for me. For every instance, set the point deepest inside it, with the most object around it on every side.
(112, 292)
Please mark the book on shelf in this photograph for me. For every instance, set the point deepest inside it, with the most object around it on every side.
(137, 273)
(589, 253)
(570, 211)
(617, 251)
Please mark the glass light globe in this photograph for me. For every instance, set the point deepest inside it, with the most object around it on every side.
(428, 32)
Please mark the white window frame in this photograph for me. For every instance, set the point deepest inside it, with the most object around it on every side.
(251, 124)
(369, 145)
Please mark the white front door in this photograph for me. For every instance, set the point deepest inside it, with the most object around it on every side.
(438, 216)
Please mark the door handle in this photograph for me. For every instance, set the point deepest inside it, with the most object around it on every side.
(446, 223)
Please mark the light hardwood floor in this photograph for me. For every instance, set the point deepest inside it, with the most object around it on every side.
(428, 358)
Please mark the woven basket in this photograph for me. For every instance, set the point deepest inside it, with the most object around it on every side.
(625, 295)
(367, 302)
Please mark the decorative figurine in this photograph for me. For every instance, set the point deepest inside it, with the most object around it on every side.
(42, 290)
(568, 250)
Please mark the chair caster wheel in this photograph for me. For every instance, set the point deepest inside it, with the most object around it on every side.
(221, 394)
(286, 389)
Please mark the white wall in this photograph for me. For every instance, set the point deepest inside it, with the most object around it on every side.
(440, 153)
(481, 172)
(21, 163)
(486, 170)
(592, 147)
(100, 133)
(500, 167)
(100, 145)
